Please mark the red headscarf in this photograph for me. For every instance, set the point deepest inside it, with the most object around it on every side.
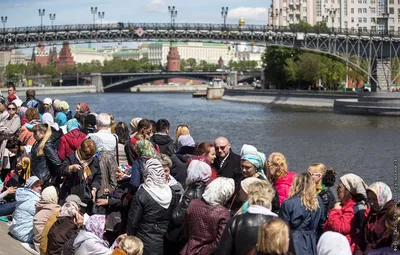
(84, 108)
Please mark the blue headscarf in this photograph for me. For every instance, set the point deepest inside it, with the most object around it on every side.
(32, 104)
(61, 119)
(257, 159)
(72, 124)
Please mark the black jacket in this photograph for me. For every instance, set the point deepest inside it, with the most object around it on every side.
(149, 221)
(131, 155)
(240, 234)
(45, 167)
(72, 179)
(180, 164)
(55, 137)
(164, 142)
(40, 106)
(328, 199)
(230, 168)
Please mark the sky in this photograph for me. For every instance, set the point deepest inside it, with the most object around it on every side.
(25, 12)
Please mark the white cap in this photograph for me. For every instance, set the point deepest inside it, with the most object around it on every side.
(48, 101)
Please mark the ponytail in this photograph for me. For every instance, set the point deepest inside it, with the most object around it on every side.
(45, 129)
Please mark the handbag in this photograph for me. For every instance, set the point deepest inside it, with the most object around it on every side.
(82, 190)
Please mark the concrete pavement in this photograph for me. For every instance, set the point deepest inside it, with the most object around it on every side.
(8, 245)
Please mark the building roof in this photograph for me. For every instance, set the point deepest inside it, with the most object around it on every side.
(123, 52)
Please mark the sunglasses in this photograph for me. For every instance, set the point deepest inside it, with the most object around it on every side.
(221, 147)
(11, 109)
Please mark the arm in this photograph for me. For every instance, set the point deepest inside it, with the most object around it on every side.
(284, 213)
(51, 155)
(275, 206)
(63, 169)
(340, 220)
(15, 125)
(95, 168)
(178, 215)
(135, 215)
(225, 245)
(225, 215)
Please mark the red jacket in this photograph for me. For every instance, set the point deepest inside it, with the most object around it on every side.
(70, 142)
(343, 222)
(283, 185)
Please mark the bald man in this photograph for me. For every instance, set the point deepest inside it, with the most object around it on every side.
(227, 163)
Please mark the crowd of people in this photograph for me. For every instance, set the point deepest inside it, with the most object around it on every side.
(84, 183)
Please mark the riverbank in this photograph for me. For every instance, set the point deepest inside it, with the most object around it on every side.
(43, 91)
(168, 88)
(322, 100)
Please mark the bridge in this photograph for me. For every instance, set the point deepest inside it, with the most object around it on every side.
(372, 52)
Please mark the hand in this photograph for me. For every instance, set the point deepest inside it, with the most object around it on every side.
(119, 238)
(101, 202)
(11, 190)
(75, 167)
(338, 206)
(106, 191)
(78, 220)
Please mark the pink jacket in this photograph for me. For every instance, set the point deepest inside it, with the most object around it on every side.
(283, 185)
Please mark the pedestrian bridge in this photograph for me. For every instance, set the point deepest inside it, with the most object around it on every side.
(372, 52)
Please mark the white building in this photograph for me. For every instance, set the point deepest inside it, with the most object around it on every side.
(12, 57)
(87, 55)
(209, 52)
(246, 52)
(343, 14)
(131, 54)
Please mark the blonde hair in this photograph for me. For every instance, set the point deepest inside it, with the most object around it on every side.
(304, 185)
(44, 128)
(273, 237)
(261, 193)
(181, 130)
(279, 161)
(318, 167)
(131, 245)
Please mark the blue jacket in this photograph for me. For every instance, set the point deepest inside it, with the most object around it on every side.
(304, 224)
(22, 223)
(137, 173)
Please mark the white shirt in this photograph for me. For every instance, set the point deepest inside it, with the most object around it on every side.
(104, 140)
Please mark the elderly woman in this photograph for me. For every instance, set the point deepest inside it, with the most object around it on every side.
(71, 141)
(347, 216)
(82, 110)
(44, 209)
(167, 163)
(151, 209)
(81, 171)
(374, 234)
(134, 126)
(206, 218)
(198, 174)
(9, 126)
(240, 234)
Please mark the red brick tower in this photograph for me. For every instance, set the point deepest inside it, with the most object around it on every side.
(41, 57)
(53, 55)
(174, 63)
(65, 58)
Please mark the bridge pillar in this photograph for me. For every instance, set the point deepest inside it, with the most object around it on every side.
(97, 80)
(382, 74)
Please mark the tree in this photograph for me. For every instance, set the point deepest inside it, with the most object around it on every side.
(191, 64)
(13, 72)
(309, 66)
(332, 72)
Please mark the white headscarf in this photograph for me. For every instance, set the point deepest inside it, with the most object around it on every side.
(155, 184)
(198, 171)
(48, 119)
(332, 243)
(50, 194)
(219, 191)
(354, 184)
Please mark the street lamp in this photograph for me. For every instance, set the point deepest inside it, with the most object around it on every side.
(224, 14)
(101, 17)
(173, 14)
(41, 14)
(4, 21)
(52, 18)
(94, 12)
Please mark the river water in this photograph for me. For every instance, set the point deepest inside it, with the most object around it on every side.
(364, 145)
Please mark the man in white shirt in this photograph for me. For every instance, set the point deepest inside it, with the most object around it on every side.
(104, 140)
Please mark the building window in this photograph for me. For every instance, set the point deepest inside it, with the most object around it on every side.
(352, 10)
(345, 24)
(304, 9)
(305, 19)
(332, 1)
(391, 1)
(345, 7)
(359, 20)
(391, 28)
(373, 1)
(360, 1)
(373, 28)
(352, 20)
(364, 10)
(391, 10)
(364, 1)
(398, 13)
(359, 10)
(391, 20)
(373, 10)
(372, 20)
(365, 20)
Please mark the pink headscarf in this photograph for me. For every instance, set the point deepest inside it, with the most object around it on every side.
(96, 224)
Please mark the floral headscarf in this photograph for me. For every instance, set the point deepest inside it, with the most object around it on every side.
(72, 124)
(146, 149)
(127, 170)
(134, 124)
(198, 171)
(69, 209)
(382, 192)
(96, 224)
(256, 158)
(219, 191)
(84, 108)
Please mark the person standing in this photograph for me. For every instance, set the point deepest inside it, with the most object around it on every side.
(227, 163)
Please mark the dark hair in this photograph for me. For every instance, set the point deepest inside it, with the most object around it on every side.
(203, 148)
(153, 125)
(13, 104)
(11, 85)
(30, 93)
(122, 131)
(144, 123)
(329, 178)
(12, 142)
(162, 125)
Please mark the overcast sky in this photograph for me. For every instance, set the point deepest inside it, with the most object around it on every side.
(25, 12)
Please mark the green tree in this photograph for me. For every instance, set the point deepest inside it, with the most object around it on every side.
(309, 66)
(191, 64)
(14, 72)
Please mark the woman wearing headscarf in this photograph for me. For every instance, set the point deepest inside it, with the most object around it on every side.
(252, 164)
(71, 141)
(56, 132)
(180, 160)
(347, 216)
(332, 243)
(47, 205)
(374, 234)
(206, 218)
(134, 126)
(146, 151)
(90, 238)
(63, 114)
(82, 110)
(26, 134)
(151, 209)
(198, 174)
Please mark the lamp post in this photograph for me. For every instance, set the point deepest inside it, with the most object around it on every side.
(41, 14)
(224, 14)
(101, 17)
(332, 14)
(94, 12)
(4, 21)
(52, 18)
(173, 12)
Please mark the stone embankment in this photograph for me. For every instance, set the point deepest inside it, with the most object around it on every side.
(42, 91)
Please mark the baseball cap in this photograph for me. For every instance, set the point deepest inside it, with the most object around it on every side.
(75, 199)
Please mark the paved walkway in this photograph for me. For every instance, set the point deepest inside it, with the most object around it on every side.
(8, 245)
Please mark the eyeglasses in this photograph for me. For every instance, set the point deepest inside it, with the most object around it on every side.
(11, 109)
(315, 174)
(220, 147)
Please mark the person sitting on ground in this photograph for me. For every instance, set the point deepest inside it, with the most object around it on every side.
(145, 128)
(130, 245)
(89, 124)
(82, 110)
(71, 141)
(333, 243)
(161, 140)
(7, 207)
(21, 227)
(9, 160)
(227, 163)
(180, 160)
(44, 209)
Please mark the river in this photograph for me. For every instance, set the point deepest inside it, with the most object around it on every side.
(363, 145)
